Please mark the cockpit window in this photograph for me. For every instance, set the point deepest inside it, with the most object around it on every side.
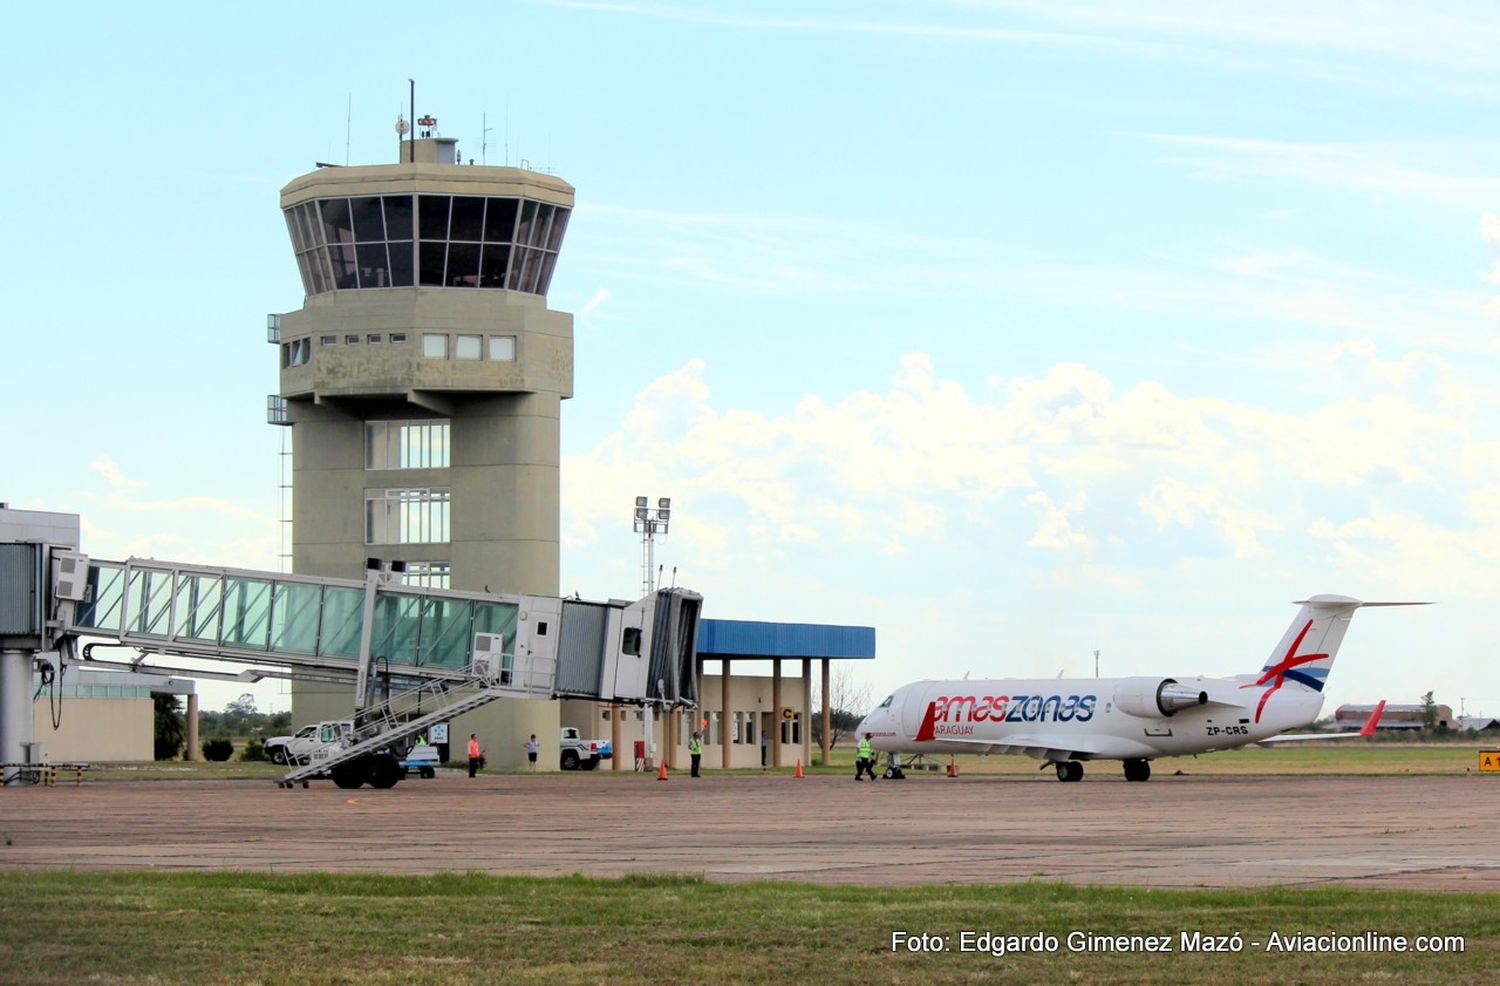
(887, 703)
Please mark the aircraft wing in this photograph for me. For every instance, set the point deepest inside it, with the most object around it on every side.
(1368, 729)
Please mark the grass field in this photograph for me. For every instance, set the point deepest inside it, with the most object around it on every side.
(468, 928)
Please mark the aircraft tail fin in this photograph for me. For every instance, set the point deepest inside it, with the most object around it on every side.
(1305, 654)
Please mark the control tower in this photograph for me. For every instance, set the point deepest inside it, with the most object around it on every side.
(422, 381)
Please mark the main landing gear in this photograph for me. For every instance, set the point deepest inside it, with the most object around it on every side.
(1137, 770)
(1069, 770)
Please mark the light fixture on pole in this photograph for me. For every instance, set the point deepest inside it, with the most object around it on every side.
(650, 522)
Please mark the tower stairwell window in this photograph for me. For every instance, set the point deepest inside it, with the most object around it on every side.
(407, 516)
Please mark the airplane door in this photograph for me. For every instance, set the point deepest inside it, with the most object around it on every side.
(913, 708)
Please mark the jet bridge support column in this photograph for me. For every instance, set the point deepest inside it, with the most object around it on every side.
(15, 709)
(192, 752)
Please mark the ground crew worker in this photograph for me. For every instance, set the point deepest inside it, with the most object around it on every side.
(474, 755)
(695, 750)
(864, 759)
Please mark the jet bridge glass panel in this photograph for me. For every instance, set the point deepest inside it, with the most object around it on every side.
(436, 631)
(146, 603)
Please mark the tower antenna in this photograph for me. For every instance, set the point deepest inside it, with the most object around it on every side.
(484, 138)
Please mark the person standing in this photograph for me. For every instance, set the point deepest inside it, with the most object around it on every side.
(762, 749)
(695, 750)
(475, 755)
(532, 749)
(865, 759)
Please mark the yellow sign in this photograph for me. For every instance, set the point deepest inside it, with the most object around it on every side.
(789, 715)
(1489, 760)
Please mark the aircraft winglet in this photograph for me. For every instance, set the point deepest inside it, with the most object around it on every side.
(1368, 729)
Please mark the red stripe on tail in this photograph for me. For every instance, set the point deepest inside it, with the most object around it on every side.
(925, 731)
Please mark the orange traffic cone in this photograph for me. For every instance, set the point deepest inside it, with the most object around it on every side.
(952, 766)
(661, 774)
(799, 768)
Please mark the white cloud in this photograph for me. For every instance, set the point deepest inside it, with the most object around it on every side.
(1058, 462)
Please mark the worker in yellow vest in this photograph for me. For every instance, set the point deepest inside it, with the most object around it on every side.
(695, 750)
(864, 759)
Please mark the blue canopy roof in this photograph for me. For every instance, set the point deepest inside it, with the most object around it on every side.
(752, 639)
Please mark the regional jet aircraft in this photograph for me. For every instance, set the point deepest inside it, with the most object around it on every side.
(1064, 722)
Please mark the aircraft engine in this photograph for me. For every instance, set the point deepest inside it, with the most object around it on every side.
(1151, 698)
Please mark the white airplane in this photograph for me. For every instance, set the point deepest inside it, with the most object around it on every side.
(1064, 722)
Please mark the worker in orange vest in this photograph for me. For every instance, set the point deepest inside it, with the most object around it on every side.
(475, 755)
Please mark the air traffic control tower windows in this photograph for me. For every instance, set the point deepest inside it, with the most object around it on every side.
(406, 444)
(460, 241)
(406, 516)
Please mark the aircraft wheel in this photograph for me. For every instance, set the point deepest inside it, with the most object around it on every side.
(384, 771)
(351, 775)
(1137, 770)
(1069, 770)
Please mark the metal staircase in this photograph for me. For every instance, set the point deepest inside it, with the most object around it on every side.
(386, 727)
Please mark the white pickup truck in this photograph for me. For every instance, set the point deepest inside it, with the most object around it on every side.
(298, 747)
(581, 754)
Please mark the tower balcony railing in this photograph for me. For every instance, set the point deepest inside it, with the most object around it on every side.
(276, 410)
(273, 329)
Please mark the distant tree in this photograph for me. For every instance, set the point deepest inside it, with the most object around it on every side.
(1429, 713)
(847, 703)
(169, 737)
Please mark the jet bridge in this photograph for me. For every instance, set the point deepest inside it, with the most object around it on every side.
(412, 656)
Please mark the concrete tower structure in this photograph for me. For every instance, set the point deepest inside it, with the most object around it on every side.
(422, 380)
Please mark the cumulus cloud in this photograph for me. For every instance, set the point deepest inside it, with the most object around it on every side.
(1058, 463)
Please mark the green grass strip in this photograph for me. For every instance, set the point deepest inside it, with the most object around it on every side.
(133, 927)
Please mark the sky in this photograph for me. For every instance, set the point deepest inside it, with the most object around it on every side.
(1016, 330)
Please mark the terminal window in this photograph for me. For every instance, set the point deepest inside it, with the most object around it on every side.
(407, 516)
(407, 444)
(434, 345)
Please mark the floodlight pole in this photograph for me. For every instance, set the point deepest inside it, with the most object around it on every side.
(649, 522)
